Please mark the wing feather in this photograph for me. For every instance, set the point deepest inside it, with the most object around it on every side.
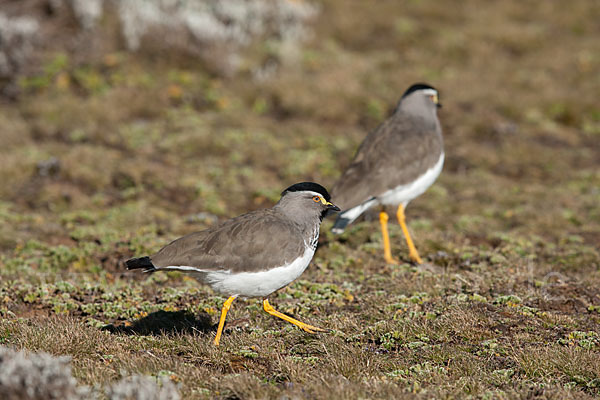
(394, 154)
(251, 242)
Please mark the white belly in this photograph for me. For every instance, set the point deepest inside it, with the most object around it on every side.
(404, 193)
(258, 284)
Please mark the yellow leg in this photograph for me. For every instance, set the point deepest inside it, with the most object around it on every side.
(226, 307)
(413, 253)
(387, 250)
(308, 328)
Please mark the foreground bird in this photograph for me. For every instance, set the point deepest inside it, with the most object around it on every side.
(396, 163)
(254, 254)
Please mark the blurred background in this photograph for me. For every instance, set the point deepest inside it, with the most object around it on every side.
(125, 124)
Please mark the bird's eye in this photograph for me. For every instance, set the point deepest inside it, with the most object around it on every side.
(316, 199)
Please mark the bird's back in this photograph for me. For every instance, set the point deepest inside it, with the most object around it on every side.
(400, 150)
(251, 242)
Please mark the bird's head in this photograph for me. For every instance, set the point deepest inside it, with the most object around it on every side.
(308, 199)
(420, 97)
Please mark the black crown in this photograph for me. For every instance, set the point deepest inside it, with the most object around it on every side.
(308, 186)
(417, 86)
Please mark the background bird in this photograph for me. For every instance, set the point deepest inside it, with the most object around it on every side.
(254, 254)
(395, 163)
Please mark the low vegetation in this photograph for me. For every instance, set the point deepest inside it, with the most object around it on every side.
(111, 158)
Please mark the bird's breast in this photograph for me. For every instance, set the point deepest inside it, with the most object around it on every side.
(260, 283)
(402, 194)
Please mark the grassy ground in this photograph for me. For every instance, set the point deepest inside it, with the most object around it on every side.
(507, 304)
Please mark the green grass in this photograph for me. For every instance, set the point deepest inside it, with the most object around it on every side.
(507, 304)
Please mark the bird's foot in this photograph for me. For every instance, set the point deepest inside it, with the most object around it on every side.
(391, 260)
(414, 256)
(309, 328)
(306, 327)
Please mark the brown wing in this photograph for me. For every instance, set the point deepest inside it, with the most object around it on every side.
(251, 242)
(396, 153)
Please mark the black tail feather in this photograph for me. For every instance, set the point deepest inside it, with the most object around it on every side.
(340, 224)
(142, 262)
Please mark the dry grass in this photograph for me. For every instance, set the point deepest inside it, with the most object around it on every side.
(507, 305)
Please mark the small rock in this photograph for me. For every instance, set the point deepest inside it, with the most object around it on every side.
(49, 167)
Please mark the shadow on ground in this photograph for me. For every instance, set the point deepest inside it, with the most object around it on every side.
(164, 322)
